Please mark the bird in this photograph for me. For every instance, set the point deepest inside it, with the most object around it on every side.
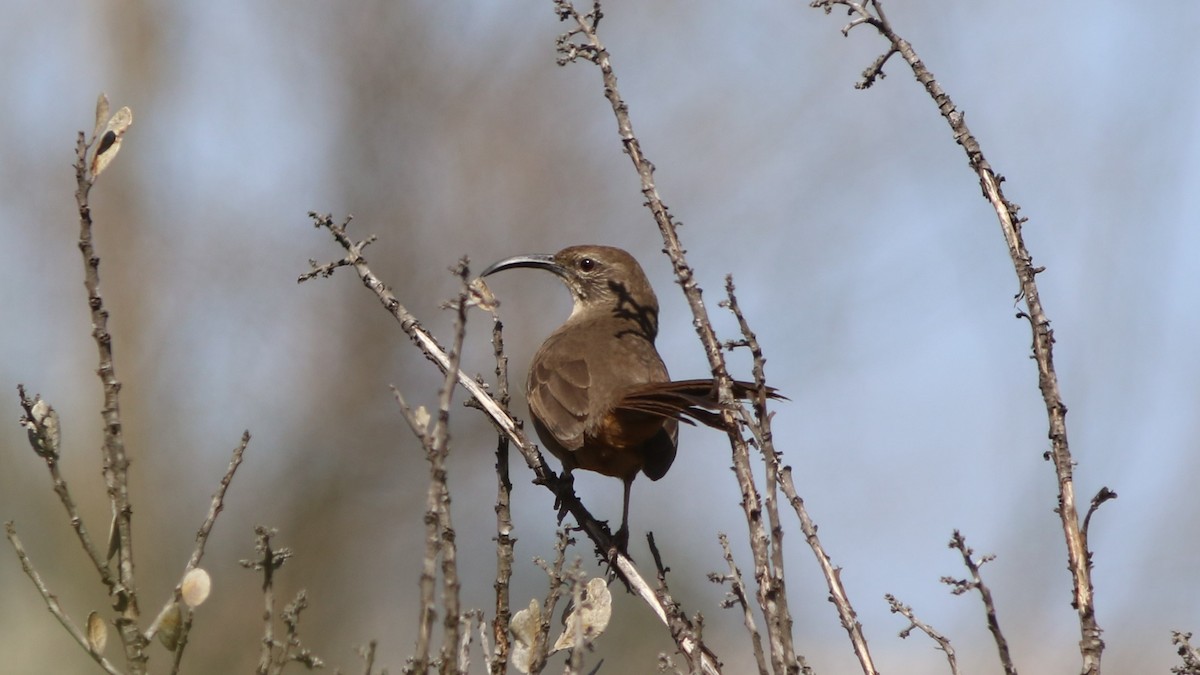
(598, 391)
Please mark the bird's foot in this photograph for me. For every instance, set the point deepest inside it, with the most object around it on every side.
(564, 494)
(620, 543)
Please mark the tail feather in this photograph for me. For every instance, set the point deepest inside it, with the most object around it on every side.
(688, 401)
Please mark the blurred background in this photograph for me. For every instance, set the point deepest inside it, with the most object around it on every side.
(873, 272)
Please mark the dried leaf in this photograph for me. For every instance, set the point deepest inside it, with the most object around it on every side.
(590, 618)
(481, 296)
(526, 628)
(42, 427)
(109, 142)
(195, 587)
(97, 633)
(421, 418)
(101, 114)
(169, 623)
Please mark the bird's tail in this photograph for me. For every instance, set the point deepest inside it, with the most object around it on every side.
(688, 401)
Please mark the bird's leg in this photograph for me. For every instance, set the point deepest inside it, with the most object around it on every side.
(621, 538)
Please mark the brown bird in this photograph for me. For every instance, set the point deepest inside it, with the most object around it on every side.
(598, 391)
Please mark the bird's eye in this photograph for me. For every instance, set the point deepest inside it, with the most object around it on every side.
(586, 264)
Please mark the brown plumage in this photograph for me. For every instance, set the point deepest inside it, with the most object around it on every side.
(598, 391)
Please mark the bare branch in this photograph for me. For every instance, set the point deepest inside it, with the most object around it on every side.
(216, 505)
(961, 586)
(116, 463)
(68, 502)
(760, 427)
(1189, 654)
(275, 654)
(737, 596)
(52, 600)
(1103, 495)
(684, 631)
(942, 641)
(439, 452)
(505, 542)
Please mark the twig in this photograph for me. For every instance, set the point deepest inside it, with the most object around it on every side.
(683, 629)
(737, 596)
(274, 654)
(961, 586)
(368, 656)
(505, 542)
(942, 641)
(554, 573)
(52, 600)
(1189, 654)
(439, 533)
(185, 628)
(578, 584)
(774, 595)
(295, 651)
(418, 420)
(760, 427)
(116, 463)
(216, 505)
(463, 659)
(68, 502)
(1103, 495)
(439, 452)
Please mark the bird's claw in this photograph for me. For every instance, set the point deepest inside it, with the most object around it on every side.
(564, 493)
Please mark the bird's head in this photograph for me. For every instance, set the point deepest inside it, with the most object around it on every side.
(603, 280)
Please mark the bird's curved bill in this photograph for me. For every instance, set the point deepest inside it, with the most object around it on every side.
(541, 261)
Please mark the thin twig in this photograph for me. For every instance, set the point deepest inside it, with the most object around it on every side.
(1189, 654)
(683, 629)
(274, 654)
(960, 586)
(294, 650)
(441, 451)
(505, 541)
(418, 420)
(777, 474)
(554, 574)
(52, 600)
(115, 463)
(216, 505)
(368, 656)
(68, 502)
(1103, 495)
(439, 533)
(737, 596)
(942, 641)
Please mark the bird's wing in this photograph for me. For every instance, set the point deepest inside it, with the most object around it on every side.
(558, 397)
